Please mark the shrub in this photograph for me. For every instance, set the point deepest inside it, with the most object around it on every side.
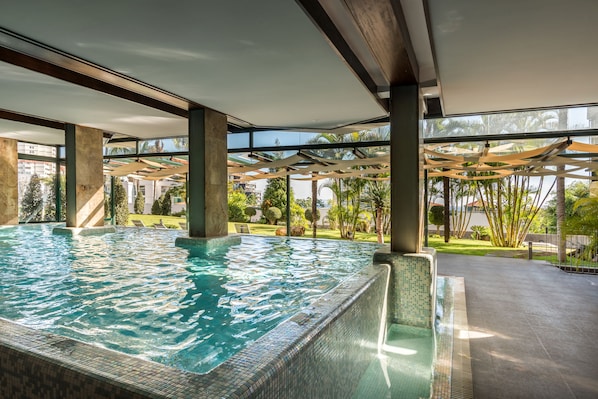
(121, 205)
(166, 204)
(237, 202)
(272, 214)
(180, 213)
(157, 207)
(308, 215)
(139, 205)
(480, 233)
(250, 211)
(297, 231)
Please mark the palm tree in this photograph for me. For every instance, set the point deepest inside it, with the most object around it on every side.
(377, 195)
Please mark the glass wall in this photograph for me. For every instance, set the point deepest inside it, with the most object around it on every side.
(42, 196)
(547, 120)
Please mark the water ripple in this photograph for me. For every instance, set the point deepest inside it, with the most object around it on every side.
(135, 292)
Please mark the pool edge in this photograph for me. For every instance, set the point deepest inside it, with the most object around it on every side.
(33, 361)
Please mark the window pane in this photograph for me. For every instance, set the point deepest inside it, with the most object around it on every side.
(36, 149)
(38, 187)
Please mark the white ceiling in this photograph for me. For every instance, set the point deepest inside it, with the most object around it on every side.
(515, 54)
(265, 62)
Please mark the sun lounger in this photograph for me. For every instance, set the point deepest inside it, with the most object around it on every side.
(138, 223)
(160, 225)
(183, 225)
(242, 228)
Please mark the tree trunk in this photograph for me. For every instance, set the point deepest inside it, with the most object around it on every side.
(314, 204)
(560, 216)
(379, 231)
(447, 215)
(563, 115)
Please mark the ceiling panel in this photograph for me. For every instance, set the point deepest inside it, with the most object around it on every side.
(514, 54)
(39, 95)
(261, 61)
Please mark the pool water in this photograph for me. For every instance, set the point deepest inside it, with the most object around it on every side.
(135, 292)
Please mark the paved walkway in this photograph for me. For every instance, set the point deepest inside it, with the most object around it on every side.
(533, 328)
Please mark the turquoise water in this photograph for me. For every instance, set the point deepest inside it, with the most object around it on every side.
(404, 368)
(135, 292)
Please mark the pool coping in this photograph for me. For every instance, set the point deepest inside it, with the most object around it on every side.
(452, 371)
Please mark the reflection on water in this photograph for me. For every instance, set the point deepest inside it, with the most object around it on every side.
(135, 292)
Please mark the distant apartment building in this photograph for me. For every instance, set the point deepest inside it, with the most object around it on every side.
(28, 168)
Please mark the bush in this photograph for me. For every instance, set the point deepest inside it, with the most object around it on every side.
(121, 205)
(166, 204)
(139, 205)
(297, 231)
(480, 233)
(308, 215)
(157, 207)
(250, 211)
(272, 214)
(180, 213)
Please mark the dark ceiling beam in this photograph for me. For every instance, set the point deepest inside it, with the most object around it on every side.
(26, 53)
(382, 24)
(32, 120)
(29, 54)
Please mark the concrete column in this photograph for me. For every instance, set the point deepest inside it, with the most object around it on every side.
(84, 177)
(9, 177)
(412, 293)
(207, 188)
(406, 167)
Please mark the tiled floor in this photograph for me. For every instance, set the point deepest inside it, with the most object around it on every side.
(533, 329)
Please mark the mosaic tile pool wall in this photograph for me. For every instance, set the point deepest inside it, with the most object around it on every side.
(412, 296)
(321, 352)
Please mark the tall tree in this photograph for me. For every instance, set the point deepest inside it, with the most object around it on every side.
(447, 208)
(121, 203)
(560, 216)
(377, 195)
(314, 205)
(237, 203)
(510, 204)
(139, 205)
(585, 222)
(560, 197)
(462, 193)
(573, 192)
(275, 195)
(32, 203)
(50, 210)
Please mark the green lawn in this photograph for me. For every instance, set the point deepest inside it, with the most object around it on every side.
(149, 220)
(473, 247)
(455, 246)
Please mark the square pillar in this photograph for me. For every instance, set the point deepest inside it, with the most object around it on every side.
(406, 165)
(9, 177)
(208, 176)
(84, 177)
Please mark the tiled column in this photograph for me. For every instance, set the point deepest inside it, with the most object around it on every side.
(84, 177)
(412, 290)
(9, 176)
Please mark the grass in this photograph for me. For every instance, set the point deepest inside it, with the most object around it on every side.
(462, 246)
(149, 220)
(454, 246)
